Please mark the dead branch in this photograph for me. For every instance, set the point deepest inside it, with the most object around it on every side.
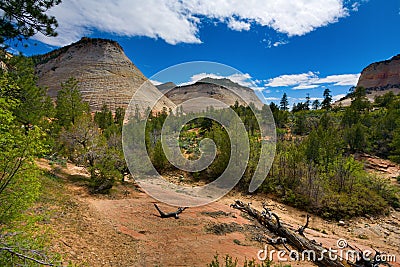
(170, 214)
(300, 243)
(25, 257)
(303, 228)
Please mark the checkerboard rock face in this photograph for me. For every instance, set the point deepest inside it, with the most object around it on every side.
(105, 75)
(381, 75)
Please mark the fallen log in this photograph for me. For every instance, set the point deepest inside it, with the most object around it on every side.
(323, 257)
(170, 214)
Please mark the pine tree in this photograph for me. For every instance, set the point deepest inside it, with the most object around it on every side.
(69, 103)
(104, 118)
(284, 104)
(23, 19)
(34, 104)
(326, 103)
(316, 104)
(308, 102)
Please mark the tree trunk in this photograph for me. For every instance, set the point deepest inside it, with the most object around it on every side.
(298, 241)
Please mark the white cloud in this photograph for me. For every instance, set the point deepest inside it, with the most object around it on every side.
(271, 98)
(305, 86)
(155, 83)
(292, 17)
(276, 44)
(355, 6)
(238, 25)
(343, 79)
(177, 21)
(291, 79)
(167, 20)
(311, 80)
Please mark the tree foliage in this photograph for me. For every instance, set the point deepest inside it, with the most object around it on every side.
(34, 104)
(19, 184)
(22, 19)
(284, 104)
(69, 104)
(326, 103)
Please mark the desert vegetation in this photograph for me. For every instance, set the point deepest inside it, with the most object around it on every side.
(314, 169)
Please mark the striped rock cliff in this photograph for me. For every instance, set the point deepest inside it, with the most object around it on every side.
(381, 75)
(105, 75)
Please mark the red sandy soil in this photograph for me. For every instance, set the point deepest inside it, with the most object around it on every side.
(124, 229)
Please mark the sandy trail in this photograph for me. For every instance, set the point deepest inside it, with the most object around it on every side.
(124, 229)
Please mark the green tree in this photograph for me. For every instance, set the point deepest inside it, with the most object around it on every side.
(355, 137)
(284, 104)
(69, 103)
(85, 144)
(300, 126)
(104, 118)
(281, 117)
(159, 159)
(395, 145)
(22, 19)
(119, 116)
(19, 179)
(219, 135)
(326, 103)
(359, 100)
(83, 141)
(312, 147)
(34, 103)
(384, 100)
(308, 102)
(316, 104)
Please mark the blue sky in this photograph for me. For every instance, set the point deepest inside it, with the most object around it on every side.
(295, 46)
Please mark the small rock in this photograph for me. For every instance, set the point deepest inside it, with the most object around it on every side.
(369, 217)
(386, 232)
(341, 223)
(362, 236)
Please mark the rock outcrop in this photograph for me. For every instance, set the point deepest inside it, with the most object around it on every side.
(381, 75)
(223, 90)
(105, 74)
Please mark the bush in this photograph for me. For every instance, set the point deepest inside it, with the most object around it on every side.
(229, 262)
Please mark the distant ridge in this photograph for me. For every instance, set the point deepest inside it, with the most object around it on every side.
(219, 89)
(166, 86)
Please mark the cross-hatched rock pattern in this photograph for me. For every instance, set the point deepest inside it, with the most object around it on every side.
(105, 75)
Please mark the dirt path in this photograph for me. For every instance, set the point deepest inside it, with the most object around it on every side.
(124, 229)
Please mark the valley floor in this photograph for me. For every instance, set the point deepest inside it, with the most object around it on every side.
(124, 229)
